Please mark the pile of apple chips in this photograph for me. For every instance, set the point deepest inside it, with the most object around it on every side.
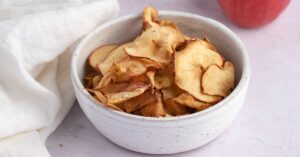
(161, 73)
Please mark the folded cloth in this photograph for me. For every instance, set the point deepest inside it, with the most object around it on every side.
(36, 42)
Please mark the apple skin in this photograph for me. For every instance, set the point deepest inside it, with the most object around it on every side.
(253, 13)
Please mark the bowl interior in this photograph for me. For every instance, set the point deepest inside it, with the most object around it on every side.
(127, 28)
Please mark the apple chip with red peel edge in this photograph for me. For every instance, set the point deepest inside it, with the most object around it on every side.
(218, 81)
(190, 101)
(116, 55)
(154, 109)
(139, 102)
(173, 108)
(100, 54)
(189, 64)
(129, 92)
(157, 43)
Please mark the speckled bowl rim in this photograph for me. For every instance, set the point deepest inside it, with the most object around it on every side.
(121, 115)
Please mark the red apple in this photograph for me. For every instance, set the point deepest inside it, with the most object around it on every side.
(253, 13)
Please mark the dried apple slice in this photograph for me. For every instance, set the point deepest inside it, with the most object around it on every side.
(100, 54)
(157, 43)
(188, 69)
(140, 78)
(129, 92)
(190, 101)
(115, 56)
(106, 79)
(95, 81)
(139, 102)
(173, 108)
(150, 17)
(218, 81)
(126, 69)
(161, 79)
(151, 75)
(171, 92)
(154, 109)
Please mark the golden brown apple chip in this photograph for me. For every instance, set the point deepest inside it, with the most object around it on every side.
(189, 64)
(175, 109)
(157, 43)
(127, 93)
(139, 102)
(95, 81)
(150, 17)
(154, 109)
(115, 56)
(100, 54)
(218, 81)
(127, 68)
(190, 101)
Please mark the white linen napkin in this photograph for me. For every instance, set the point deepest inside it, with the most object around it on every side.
(36, 42)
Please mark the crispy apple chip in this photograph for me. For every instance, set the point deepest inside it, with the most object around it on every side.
(173, 108)
(100, 54)
(115, 56)
(126, 69)
(95, 81)
(218, 81)
(154, 109)
(190, 101)
(189, 64)
(150, 17)
(127, 93)
(157, 43)
(139, 102)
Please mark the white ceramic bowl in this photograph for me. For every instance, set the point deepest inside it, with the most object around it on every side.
(163, 135)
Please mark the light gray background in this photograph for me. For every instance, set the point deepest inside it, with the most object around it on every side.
(268, 124)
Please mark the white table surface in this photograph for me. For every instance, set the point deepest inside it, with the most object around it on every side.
(268, 124)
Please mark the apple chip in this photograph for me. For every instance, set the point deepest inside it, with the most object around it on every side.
(218, 81)
(98, 95)
(157, 43)
(115, 56)
(126, 69)
(129, 92)
(175, 109)
(162, 78)
(139, 102)
(100, 54)
(189, 64)
(150, 64)
(150, 17)
(190, 101)
(106, 79)
(95, 81)
(154, 109)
